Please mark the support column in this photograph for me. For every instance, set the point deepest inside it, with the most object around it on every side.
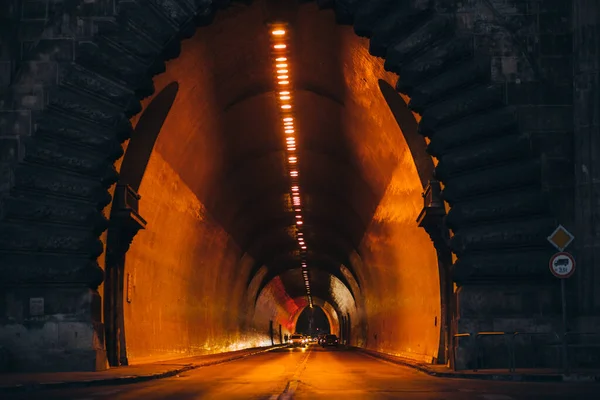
(431, 219)
(125, 223)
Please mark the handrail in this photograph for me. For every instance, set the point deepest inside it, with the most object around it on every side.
(462, 335)
(456, 335)
(483, 334)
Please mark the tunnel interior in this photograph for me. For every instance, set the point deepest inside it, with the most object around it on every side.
(220, 263)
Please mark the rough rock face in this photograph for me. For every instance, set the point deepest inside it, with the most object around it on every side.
(506, 97)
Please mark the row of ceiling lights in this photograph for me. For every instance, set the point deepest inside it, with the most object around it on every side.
(280, 52)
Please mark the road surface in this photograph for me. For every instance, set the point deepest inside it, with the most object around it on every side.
(317, 373)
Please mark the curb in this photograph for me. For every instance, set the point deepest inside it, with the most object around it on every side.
(513, 377)
(124, 380)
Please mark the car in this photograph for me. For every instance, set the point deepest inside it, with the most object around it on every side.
(297, 340)
(320, 338)
(330, 340)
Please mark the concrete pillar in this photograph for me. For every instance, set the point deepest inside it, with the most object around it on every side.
(431, 219)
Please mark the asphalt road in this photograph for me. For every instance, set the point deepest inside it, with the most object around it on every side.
(317, 373)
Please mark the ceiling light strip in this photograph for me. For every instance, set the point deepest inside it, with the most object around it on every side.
(283, 73)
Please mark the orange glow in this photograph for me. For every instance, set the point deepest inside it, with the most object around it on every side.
(284, 98)
(289, 131)
(282, 77)
(298, 216)
(292, 159)
(299, 222)
(303, 247)
(281, 66)
(278, 32)
(283, 82)
(283, 93)
(288, 119)
(282, 71)
(279, 46)
(279, 59)
(294, 173)
(288, 123)
(286, 106)
(290, 139)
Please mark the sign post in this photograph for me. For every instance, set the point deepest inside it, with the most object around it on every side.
(562, 266)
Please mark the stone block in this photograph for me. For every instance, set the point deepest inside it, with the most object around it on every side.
(15, 123)
(36, 9)
(97, 8)
(37, 349)
(477, 302)
(9, 149)
(5, 74)
(28, 97)
(79, 335)
(52, 329)
(556, 69)
(553, 44)
(536, 93)
(555, 22)
(545, 118)
(48, 50)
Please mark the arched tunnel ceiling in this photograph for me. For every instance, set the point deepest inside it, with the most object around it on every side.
(247, 188)
(323, 286)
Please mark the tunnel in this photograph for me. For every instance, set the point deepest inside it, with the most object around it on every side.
(219, 249)
(217, 168)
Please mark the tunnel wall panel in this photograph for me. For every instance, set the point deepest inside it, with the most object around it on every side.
(186, 294)
(399, 272)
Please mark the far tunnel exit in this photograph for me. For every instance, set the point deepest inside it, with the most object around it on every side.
(313, 321)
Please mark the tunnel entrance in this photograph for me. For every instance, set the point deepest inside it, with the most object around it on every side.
(361, 188)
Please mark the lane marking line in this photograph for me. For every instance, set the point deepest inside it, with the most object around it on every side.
(293, 383)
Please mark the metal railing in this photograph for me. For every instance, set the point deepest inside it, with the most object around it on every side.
(479, 336)
(561, 341)
(513, 362)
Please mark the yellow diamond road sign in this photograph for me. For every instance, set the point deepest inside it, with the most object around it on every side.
(561, 238)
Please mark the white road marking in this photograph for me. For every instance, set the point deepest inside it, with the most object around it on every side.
(292, 385)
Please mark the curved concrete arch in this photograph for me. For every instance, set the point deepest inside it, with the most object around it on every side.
(330, 312)
(274, 272)
(410, 130)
